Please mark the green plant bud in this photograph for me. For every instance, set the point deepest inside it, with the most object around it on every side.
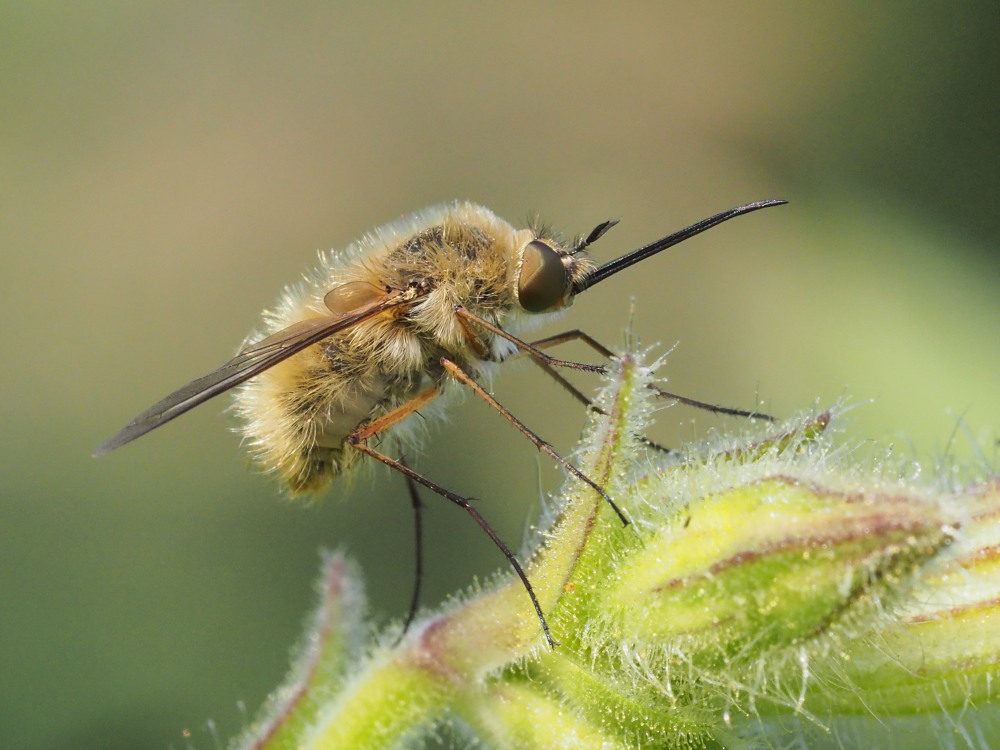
(335, 632)
(768, 563)
(520, 715)
(941, 650)
(761, 582)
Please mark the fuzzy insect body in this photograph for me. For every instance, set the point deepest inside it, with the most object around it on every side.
(378, 331)
(297, 414)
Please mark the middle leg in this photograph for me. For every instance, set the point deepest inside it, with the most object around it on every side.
(465, 378)
(357, 441)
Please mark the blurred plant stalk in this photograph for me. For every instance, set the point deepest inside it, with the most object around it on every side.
(765, 578)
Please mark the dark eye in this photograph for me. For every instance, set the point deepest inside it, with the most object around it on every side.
(541, 280)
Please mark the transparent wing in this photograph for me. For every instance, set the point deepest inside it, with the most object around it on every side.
(253, 360)
(348, 297)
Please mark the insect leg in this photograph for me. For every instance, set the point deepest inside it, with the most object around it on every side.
(578, 335)
(534, 350)
(418, 532)
(579, 396)
(465, 314)
(356, 440)
(575, 335)
(467, 506)
(393, 417)
(463, 377)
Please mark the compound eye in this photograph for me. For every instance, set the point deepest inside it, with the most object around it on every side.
(541, 280)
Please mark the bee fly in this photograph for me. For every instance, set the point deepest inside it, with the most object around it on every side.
(378, 331)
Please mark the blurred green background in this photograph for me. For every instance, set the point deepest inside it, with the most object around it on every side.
(167, 168)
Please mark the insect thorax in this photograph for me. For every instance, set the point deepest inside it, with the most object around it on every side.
(298, 414)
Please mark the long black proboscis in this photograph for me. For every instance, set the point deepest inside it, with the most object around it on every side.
(614, 266)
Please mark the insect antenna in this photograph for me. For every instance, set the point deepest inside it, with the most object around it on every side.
(595, 234)
(618, 264)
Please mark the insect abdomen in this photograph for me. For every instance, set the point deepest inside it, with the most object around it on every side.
(298, 414)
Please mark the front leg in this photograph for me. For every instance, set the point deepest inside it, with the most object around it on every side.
(586, 338)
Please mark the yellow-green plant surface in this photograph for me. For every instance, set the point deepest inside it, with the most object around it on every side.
(769, 591)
